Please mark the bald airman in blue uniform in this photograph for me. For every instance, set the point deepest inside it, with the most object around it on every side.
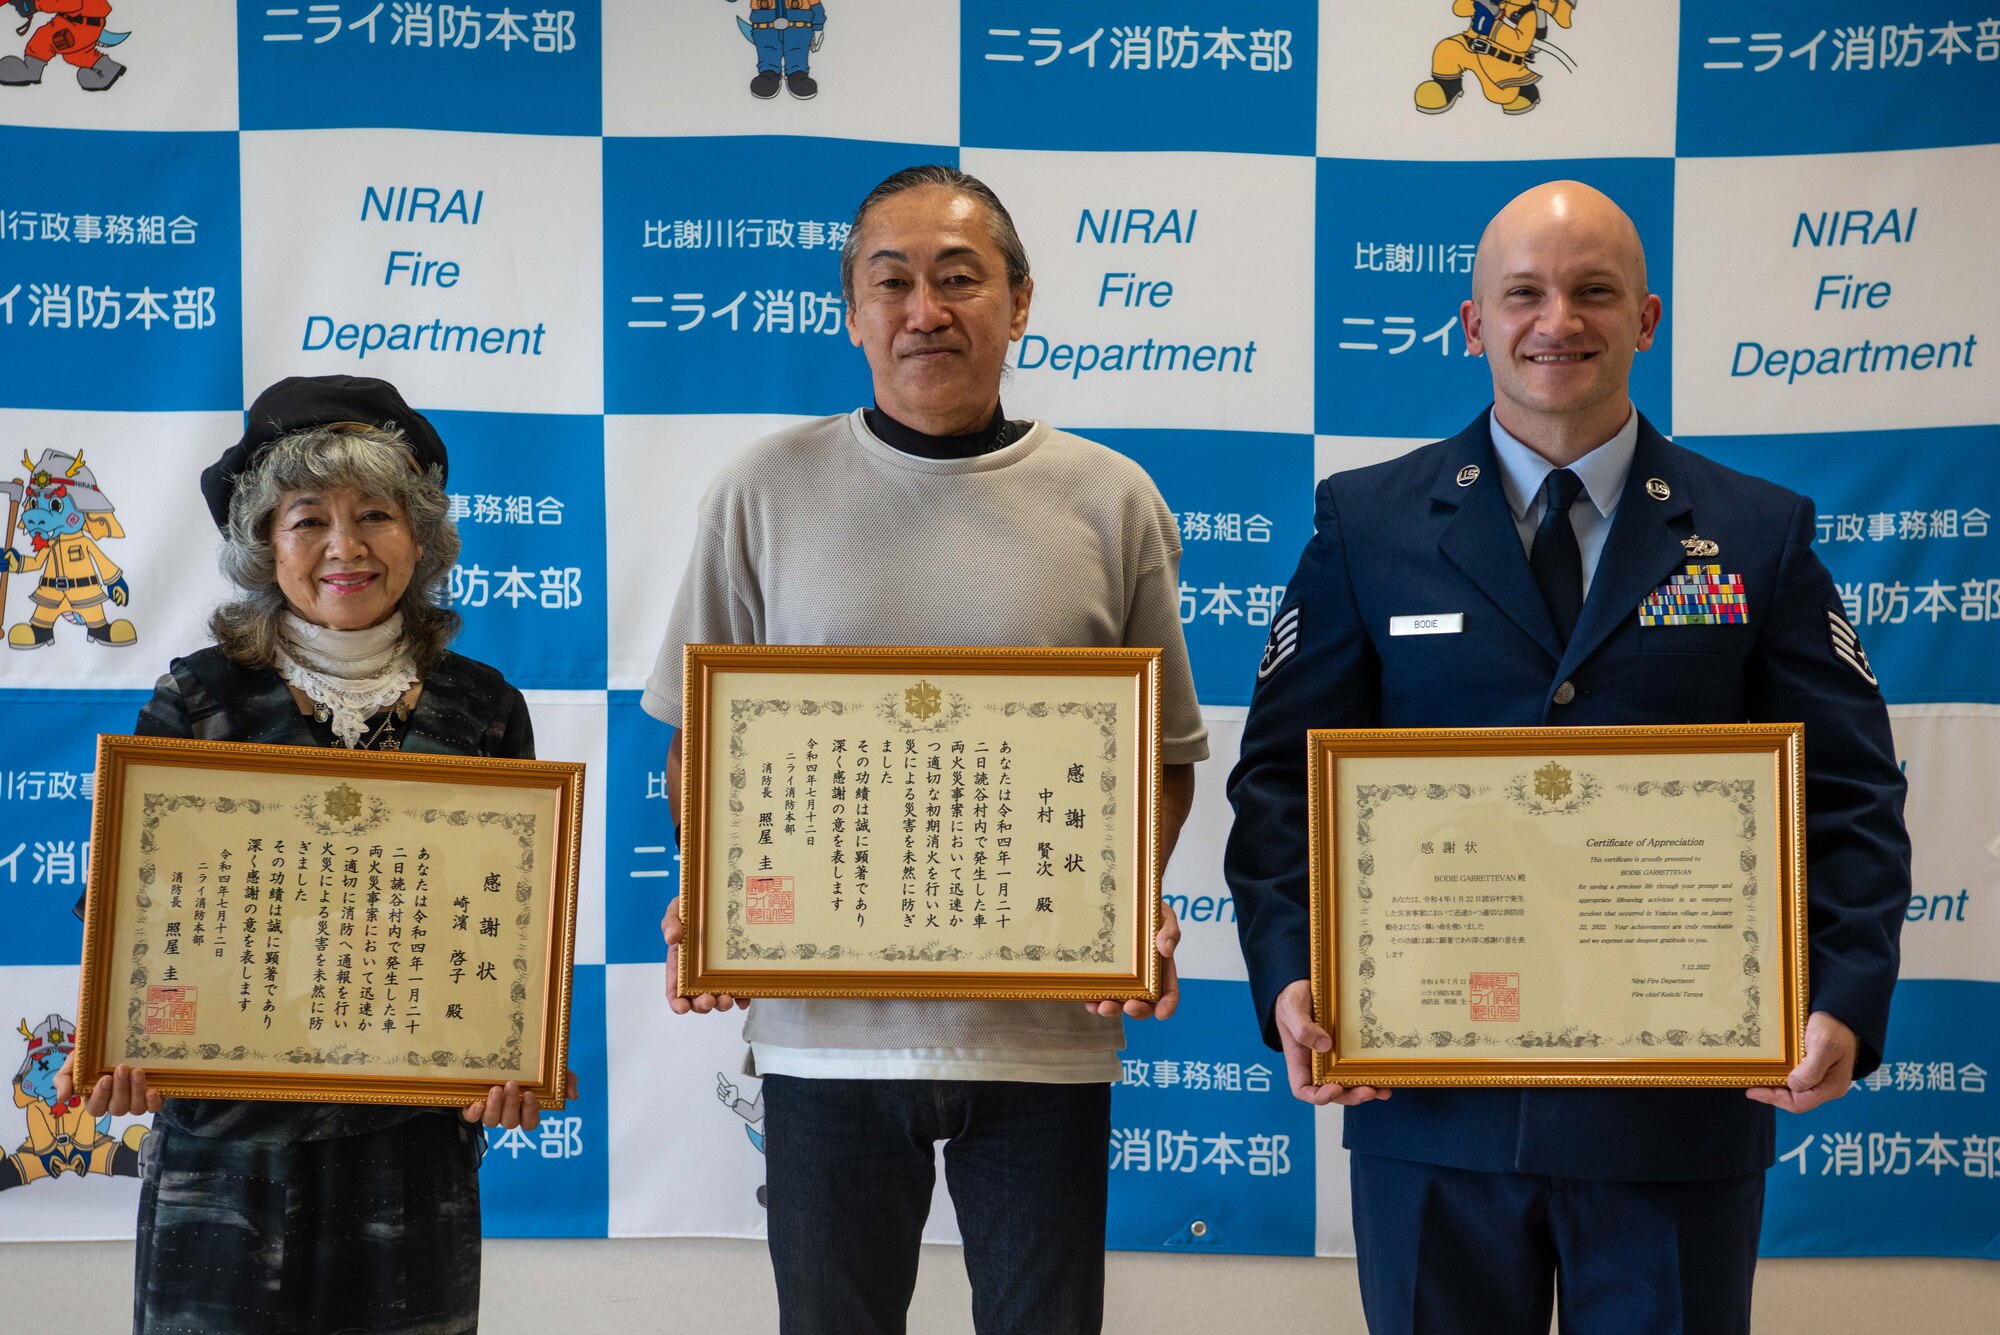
(1585, 571)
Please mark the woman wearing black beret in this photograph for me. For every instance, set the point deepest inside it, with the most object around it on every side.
(313, 1217)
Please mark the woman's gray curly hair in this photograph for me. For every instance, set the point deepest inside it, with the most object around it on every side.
(374, 461)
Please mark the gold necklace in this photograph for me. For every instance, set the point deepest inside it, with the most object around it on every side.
(384, 737)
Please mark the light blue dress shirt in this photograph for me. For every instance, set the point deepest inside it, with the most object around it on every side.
(1602, 471)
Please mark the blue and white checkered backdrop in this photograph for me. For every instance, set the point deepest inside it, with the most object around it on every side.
(575, 238)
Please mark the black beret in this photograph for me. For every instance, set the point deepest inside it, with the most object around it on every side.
(303, 401)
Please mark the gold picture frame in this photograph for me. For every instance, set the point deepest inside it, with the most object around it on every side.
(260, 919)
(1636, 894)
(1070, 913)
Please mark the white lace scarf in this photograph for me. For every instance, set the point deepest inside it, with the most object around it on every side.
(352, 675)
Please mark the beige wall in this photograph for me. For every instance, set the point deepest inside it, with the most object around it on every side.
(723, 1287)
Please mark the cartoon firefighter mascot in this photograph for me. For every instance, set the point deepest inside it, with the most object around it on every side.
(64, 514)
(785, 33)
(1497, 48)
(75, 31)
(62, 1135)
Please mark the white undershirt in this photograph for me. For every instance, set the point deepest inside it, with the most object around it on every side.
(1045, 1068)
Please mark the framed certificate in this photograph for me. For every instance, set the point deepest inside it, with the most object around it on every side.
(1559, 906)
(872, 822)
(318, 924)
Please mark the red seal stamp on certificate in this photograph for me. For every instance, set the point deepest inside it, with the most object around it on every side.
(770, 900)
(170, 1010)
(1495, 996)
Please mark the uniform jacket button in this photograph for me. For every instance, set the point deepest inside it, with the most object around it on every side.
(1565, 693)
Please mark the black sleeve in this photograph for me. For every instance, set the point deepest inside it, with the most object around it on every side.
(165, 715)
(517, 738)
(1320, 670)
(1811, 669)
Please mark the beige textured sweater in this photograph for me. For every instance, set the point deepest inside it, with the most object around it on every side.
(823, 534)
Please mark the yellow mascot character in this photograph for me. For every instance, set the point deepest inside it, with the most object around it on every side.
(1497, 48)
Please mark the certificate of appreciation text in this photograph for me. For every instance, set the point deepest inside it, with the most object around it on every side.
(1560, 907)
(307, 923)
(925, 821)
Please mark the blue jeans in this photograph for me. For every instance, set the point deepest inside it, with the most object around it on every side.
(783, 50)
(849, 1171)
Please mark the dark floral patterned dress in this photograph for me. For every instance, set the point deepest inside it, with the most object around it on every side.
(311, 1218)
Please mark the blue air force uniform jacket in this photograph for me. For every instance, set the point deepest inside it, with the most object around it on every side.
(1404, 537)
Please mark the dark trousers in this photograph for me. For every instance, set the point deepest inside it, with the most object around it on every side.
(1446, 1250)
(377, 1232)
(849, 1168)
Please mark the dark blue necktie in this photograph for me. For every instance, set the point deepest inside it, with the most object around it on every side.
(1555, 559)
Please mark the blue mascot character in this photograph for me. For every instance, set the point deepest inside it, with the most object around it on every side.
(750, 1110)
(64, 514)
(62, 1135)
(785, 33)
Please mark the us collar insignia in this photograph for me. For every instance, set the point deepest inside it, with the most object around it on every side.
(1468, 475)
(1658, 489)
(1700, 546)
(1698, 596)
